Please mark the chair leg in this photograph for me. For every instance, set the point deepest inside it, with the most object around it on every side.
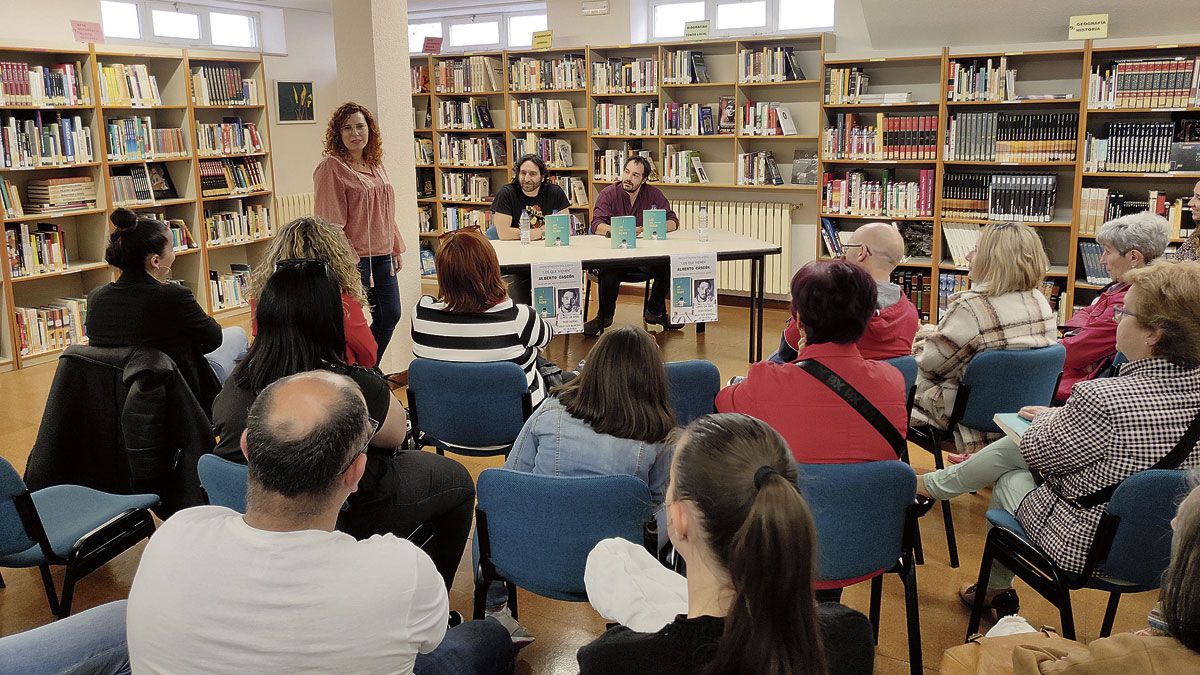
(512, 598)
(480, 599)
(876, 599)
(1065, 613)
(918, 551)
(587, 294)
(1110, 614)
(68, 593)
(2, 581)
(48, 583)
(951, 543)
(912, 611)
(985, 573)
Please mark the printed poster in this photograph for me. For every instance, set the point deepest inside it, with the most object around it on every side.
(694, 288)
(558, 294)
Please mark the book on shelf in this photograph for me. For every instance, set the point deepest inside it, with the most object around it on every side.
(419, 79)
(425, 222)
(574, 187)
(425, 183)
(758, 168)
(698, 168)
(685, 67)
(916, 286)
(22, 84)
(232, 136)
(423, 150)
(455, 217)
(1012, 137)
(222, 85)
(130, 185)
(1099, 205)
(48, 139)
(726, 115)
(473, 187)
(769, 64)
(55, 325)
(128, 85)
(428, 268)
(766, 118)
(558, 229)
(804, 167)
(1054, 292)
(687, 119)
(1130, 146)
(918, 237)
(160, 181)
(555, 152)
(625, 75)
(471, 74)
(472, 113)
(849, 136)
(66, 193)
(961, 240)
(134, 138)
(527, 73)
(1001, 197)
(35, 249)
(1162, 82)
(231, 289)
(678, 165)
(231, 176)
(11, 198)
(472, 151)
(949, 285)
(849, 86)
(181, 236)
(981, 80)
(625, 119)
(855, 194)
(248, 223)
(1090, 253)
(607, 164)
(831, 236)
(541, 113)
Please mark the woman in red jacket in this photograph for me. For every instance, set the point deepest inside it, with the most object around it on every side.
(313, 238)
(1129, 242)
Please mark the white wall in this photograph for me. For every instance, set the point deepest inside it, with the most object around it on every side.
(573, 29)
(48, 22)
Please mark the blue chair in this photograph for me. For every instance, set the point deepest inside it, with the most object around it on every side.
(68, 525)
(224, 481)
(536, 531)
(1129, 554)
(994, 381)
(866, 527)
(474, 409)
(907, 365)
(694, 385)
(492, 233)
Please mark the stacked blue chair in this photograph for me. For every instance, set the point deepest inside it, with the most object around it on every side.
(474, 409)
(694, 385)
(224, 481)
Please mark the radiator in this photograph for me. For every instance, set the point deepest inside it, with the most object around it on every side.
(291, 207)
(768, 222)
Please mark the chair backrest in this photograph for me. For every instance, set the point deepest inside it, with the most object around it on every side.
(13, 537)
(224, 481)
(694, 386)
(537, 530)
(907, 365)
(492, 233)
(468, 405)
(1004, 380)
(1141, 547)
(860, 514)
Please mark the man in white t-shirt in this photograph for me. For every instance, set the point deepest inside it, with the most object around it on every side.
(278, 590)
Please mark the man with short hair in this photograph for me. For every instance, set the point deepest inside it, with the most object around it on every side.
(878, 248)
(528, 192)
(278, 590)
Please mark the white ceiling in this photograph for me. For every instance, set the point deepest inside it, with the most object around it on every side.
(310, 5)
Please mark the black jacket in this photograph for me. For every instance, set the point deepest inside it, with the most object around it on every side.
(137, 310)
(121, 420)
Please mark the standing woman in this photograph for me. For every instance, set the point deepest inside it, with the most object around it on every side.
(353, 193)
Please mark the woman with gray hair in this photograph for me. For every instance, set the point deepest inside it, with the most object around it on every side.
(1129, 242)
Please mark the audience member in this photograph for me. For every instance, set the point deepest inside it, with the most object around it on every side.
(278, 590)
(88, 643)
(352, 191)
(878, 248)
(630, 197)
(1108, 429)
(1003, 309)
(473, 320)
(1129, 242)
(736, 517)
(314, 239)
(143, 309)
(834, 302)
(1190, 249)
(300, 329)
(530, 193)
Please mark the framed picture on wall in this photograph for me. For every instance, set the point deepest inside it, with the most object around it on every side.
(294, 102)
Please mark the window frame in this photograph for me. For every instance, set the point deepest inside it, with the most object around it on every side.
(509, 16)
(146, 8)
(449, 20)
(501, 32)
(710, 13)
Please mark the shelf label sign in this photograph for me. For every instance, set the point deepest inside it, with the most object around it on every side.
(695, 29)
(1088, 27)
(87, 31)
(542, 39)
(432, 45)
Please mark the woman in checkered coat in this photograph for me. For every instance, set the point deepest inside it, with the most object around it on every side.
(1108, 429)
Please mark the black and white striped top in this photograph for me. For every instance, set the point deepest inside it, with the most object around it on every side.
(506, 332)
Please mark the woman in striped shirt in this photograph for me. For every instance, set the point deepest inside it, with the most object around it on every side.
(473, 320)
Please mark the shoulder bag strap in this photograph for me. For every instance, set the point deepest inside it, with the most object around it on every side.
(856, 400)
(1172, 460)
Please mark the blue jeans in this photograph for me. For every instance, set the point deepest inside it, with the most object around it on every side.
(223, 359)
(383, 295)
(471, 648)
(87, 643)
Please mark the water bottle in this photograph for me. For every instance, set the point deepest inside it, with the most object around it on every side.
(702, 225)
(524, 227)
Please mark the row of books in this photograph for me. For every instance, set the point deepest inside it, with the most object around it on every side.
(423, 150)
(757, 168)
(230, 289)
(981, 80)
(454, 217)
(425, 221)
(428, 268)
(855, 195)
(181, 237)
(682, 166)
(769, 64)
(471, 151)
(129, 85)
(231, 136)
(231, 176)
(961, 239)
(607, 165)
(22, 84)
(472, 113)
(554, 151)
(1100, 205)
(34, 249)
(53, 195)
(472, 74)
(1094, 270)
(541, 113)
(222, 85)
(1012, 137)
(1130, 146)
(10, 199)
(574, 187)
(914, 284)
(766, 118)
(420, 79)
(688, 119)
(249, 223)
(625, 76)
(1054, 296)
(475, 187)
(849, 85)
(130, 185)
(891, 137)
(950, 284)
(685, 66)
(563, 72)
(55, 325)
(1005, 197)
(1169, 82)
(131, 138)
(56, 141)
(632, 119)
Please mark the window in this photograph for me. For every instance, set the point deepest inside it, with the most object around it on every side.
(475, 34)
(417, 32)
(231, 30)
(739, 17)
(670, 18)
(521, 29)
(733, 15)
(183, 25)
(120, 19)
(797, 14)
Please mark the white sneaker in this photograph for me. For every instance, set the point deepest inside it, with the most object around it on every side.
(520, 634)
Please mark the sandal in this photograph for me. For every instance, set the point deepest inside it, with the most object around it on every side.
(1002, 604)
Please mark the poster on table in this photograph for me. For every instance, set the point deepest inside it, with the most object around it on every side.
(694, 288)
(558, 294)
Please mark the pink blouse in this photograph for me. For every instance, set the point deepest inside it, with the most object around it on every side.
(362, 205)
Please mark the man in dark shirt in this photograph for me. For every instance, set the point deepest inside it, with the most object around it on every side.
(528, 192)
(630, 197)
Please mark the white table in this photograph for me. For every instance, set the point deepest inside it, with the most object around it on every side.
(595, 252)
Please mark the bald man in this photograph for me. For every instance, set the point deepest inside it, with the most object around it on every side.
(878, 248)
(278, 590)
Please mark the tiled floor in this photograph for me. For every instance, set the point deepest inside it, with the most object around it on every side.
(562, 627)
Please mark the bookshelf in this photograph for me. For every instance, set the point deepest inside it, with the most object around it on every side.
(142, 125)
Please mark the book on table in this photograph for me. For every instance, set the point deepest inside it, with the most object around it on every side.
(1013, 425)
(654, 224)
(558, 230)
(623, 231)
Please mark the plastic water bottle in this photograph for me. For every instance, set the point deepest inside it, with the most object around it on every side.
(702, 225)
(524, 227)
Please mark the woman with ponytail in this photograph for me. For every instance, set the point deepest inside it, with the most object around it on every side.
(143, 309)
(736, 517)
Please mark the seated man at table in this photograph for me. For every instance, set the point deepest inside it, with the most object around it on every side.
(528, 192)
(630, 197)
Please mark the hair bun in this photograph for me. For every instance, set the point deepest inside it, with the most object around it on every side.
(123, 219)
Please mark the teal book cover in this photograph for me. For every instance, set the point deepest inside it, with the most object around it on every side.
(624, 232)
(543, 301)
(558, 230)
(654, 224)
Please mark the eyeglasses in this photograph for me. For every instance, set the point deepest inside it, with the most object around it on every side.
(301, 262)
(846, 253)
(374, 430)
(468, 228)
(1120, 312)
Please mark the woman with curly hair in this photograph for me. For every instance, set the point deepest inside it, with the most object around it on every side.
(315, 239)
(353, 193)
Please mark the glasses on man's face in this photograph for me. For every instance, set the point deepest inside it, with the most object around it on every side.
(846, 249)
(1119, 312)
(374, 424)
(468, 228)
(301, 262)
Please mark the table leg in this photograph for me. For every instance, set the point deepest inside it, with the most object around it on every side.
(762, 295)
(753, 295)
